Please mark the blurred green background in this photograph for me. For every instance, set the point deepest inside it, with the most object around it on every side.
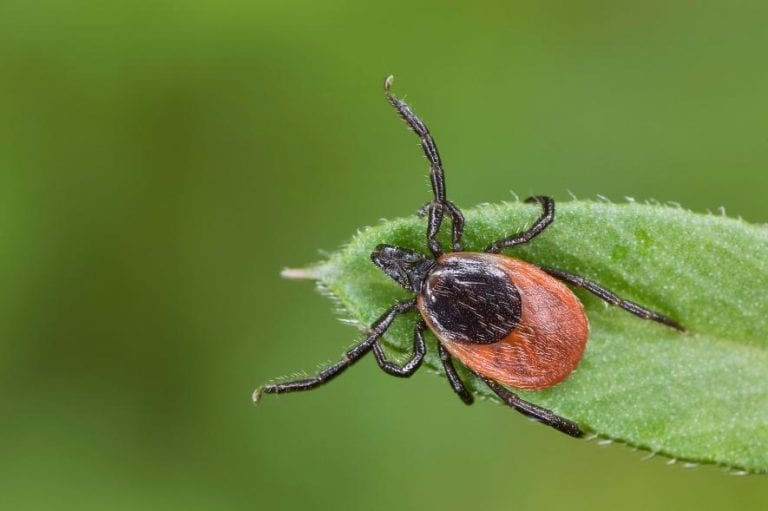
(162, 161)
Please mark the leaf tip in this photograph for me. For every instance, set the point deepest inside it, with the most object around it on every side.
(312, 273)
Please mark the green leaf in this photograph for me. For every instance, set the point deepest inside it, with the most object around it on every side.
(699, 396)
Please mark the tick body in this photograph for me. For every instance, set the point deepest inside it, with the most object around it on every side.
(504, 318)
(511, 323)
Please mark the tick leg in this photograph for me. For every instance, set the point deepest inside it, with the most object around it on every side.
(412, 364)
(350, 357)
(453, 377)
(457, 222)
(535, 412)
(434, 220)
(546, 218)
(604, 294)
(427, 142)
(440, 204)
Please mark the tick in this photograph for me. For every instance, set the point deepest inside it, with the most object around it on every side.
(510, 322)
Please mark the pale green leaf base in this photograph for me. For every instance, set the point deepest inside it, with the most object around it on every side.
(701, 396)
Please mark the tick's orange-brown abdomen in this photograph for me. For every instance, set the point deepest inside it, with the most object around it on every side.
(547, 343)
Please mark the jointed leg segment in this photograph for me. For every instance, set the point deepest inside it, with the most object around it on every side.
(453, 377)
(535, 412)
(350, 357)
(440, 205)
(412, 364)
(457, 223)
(613, 299)
(546, 218)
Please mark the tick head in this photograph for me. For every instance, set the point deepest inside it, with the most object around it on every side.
(406, 267)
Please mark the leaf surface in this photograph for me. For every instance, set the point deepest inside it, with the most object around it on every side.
(700, 396)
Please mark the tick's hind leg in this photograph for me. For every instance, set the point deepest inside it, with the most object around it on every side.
(535, 412)
(413, 363)
(546, 218)
(613, 299)
(350, 357)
